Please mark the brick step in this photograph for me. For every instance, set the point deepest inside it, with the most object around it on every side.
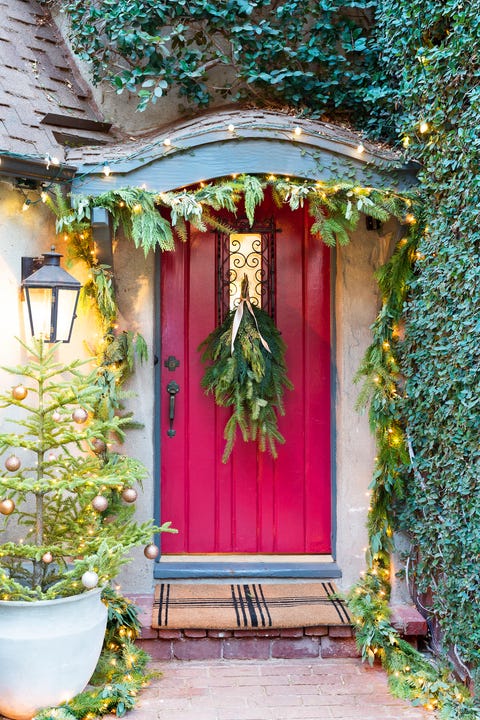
(334, 641)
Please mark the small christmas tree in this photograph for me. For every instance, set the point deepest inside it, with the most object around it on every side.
(61, 483)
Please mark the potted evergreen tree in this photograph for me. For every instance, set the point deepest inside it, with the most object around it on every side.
(71, 501)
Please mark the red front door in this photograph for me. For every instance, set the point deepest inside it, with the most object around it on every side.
(253, 503)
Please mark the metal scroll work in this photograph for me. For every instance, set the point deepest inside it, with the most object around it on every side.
(248, 251)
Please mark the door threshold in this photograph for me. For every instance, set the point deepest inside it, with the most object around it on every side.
(246, 566)
(246, 557)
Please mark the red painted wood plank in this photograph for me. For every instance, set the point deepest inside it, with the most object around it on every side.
(173, 450)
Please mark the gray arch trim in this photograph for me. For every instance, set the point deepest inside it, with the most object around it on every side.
(206, 149)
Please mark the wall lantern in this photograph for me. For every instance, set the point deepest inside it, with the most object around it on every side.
(51, 294)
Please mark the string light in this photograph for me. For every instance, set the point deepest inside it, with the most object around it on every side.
(424, 127)
(231, 128)
(298, 131)
(26, 205)
(360, 148)
(106, 170)
(406, 141)
(167, 142)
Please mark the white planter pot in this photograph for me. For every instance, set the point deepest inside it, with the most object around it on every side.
(48, 650)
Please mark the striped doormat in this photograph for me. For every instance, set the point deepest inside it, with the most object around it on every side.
(257, 605)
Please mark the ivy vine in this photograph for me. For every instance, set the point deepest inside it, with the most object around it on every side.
(431, 59)
(296, 52)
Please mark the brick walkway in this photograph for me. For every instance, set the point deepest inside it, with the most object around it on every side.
(271, 690)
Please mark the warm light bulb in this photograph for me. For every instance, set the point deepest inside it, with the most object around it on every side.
(298, 131)
(360, 148)
(43, 197)
(25, 205)
(106, 170)
(167, 142)
(231, 128)
(406, 141)
(424, 127)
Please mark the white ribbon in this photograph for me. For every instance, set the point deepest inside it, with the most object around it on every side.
(245, 300)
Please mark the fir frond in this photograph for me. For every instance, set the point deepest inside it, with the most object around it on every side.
(253, 192)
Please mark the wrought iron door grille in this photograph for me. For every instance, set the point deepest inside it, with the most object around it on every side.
(254, 255)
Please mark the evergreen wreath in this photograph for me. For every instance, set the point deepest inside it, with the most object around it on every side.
(247, 372)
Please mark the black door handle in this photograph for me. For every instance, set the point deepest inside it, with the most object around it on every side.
(172, 389)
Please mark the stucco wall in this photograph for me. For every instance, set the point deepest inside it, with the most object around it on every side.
(27, 233)
(356, 303)
(135, 295)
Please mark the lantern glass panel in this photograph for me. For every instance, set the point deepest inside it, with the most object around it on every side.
(66, 306)
(40, 306)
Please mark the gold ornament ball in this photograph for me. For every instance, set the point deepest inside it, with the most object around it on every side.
(99, 503)
(19, 392)
(80, 415)
(47, 558)
(89, 579)
(7, 506)
(129, 495)
(56, 417)
(98, 446)
(12, 463)
(151, 551)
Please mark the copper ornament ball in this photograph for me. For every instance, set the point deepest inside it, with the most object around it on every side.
(80, 415)
(7, 506)
(12, 463)
(19, 392)
(99, 503)
(47, 558)
(151, 551)
(98, 446)
(129, 495)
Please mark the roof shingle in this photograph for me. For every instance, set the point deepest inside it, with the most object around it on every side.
(37, 76)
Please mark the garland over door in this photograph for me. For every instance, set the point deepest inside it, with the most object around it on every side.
(253, 503)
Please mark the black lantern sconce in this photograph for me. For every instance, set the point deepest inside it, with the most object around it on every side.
(52, 295)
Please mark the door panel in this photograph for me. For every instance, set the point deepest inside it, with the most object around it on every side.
(252, 504)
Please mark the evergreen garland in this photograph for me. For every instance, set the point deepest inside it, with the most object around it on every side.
(246, 376)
